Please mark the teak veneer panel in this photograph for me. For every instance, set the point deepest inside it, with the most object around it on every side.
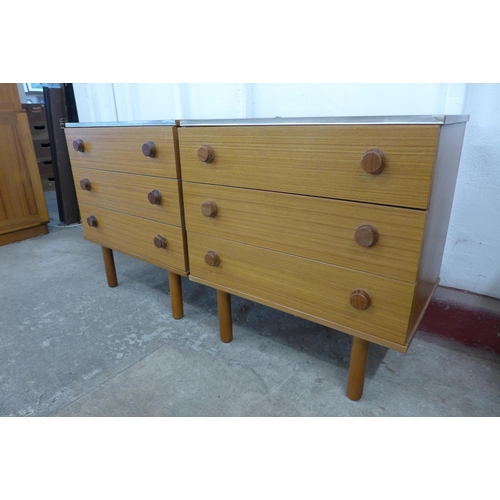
(134, 236)
(315, 228)
(120, 149)
(312, 289)
(316, 160)
(22, 202)
(128, 193)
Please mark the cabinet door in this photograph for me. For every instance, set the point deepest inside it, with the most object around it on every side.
(22, 203)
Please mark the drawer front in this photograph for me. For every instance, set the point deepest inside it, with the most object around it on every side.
(319, 290)
(135, 236)
(316, 228)
(128, 193)
(42, 147)
(316, 160)
(35, 112)
(120, 149)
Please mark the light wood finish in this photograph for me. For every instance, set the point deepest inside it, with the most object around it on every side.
(312, 287)
(316, 160)
(128, 193)
(9, 97)
(22, 202)
(225, 319)
(135, 236)
(119, 149)
(316, 228)
(357, 368)
(341, 225)
(23, 234)
(109, 266)
(436, 228)
(175, 283)
(128, 179)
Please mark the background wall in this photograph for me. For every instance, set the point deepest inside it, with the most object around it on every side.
(471, 259)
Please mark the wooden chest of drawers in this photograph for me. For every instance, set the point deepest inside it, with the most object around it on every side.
(128, 185)
(339, 221)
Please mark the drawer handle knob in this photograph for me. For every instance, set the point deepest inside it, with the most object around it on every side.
(209, 208)
(160, 241)
(374, 161)
(79, 146)
(360, 299)
(154, 197)
(92, 221)
(85, 184)
(206, 153)
(212, 258)
(149, 149)
(366, 235)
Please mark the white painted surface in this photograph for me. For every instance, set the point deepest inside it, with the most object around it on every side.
(472, 255)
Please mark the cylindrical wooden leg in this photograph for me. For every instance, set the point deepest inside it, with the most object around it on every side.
(109, 266)
(225, 319)
(176, 295)
(357, 368)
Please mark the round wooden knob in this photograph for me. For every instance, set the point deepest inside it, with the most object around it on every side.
(78, 145)
(206, 153)
(209, 208)
(212, 258)
(85, 184)
(149, 149)
(366, 235)
(154, 197)
(360, 299)
(160, 241)
(374, 161)
(92, 221)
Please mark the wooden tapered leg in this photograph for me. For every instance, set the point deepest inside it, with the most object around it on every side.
(225, 319)
(176, 295)
(109, 266)
(357, 368)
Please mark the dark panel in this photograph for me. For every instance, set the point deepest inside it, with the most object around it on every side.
(55, 107)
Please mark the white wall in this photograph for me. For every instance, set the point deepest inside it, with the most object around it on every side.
(471, 260)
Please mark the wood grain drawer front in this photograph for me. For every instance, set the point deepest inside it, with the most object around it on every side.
(312, 289)
(136, 237)
(316, 228)
(316, 160)
(130, 194)
(121, 149)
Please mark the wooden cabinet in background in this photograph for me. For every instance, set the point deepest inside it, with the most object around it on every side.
(37, 119)
(23, 211)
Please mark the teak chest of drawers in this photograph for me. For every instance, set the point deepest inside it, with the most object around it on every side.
(127, 178)
(339, 221)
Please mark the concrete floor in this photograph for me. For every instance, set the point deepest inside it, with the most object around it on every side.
(72, 346)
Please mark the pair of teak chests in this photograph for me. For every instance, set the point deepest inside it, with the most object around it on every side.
(341, 221)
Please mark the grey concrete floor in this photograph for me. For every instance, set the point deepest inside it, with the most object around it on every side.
(72, 346)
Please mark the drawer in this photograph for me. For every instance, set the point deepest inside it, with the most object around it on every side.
(316, 228)
(39, 130)
(307, 288)
(135, 236)
(120, 149)
(42, 147)
(45, 166)
(128, 193)
(316, 160)
(35, 112)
